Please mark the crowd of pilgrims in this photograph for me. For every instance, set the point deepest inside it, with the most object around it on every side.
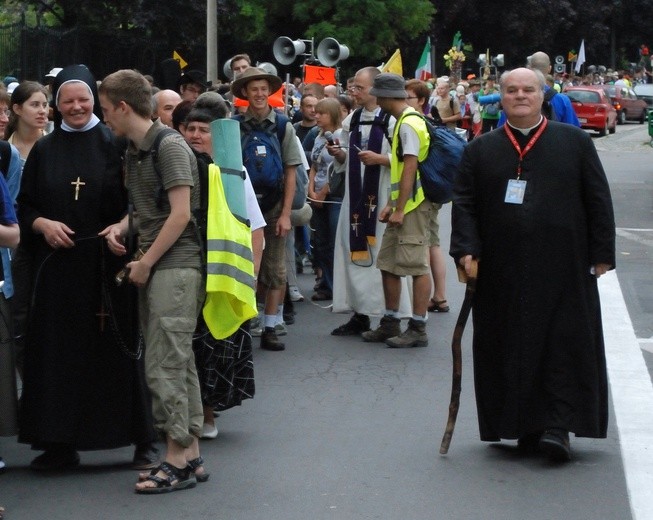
(76, 352)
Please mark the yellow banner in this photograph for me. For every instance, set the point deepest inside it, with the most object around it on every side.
(182, 62)
(394, 64)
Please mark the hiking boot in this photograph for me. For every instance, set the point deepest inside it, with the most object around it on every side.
(413, 336)
(388, 328)
(270, 341)
(358, 324)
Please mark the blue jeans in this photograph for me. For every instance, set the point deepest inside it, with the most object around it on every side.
(324, 223)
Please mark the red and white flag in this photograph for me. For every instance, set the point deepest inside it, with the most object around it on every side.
(424, 69)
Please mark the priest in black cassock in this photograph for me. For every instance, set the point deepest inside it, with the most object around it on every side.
(83, 388)
(532, 206)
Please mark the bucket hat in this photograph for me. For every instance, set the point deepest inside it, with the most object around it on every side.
(389, 85)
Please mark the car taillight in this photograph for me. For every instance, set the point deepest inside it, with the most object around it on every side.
(617, 106)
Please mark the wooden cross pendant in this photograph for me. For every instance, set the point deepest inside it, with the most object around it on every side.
(78, 184)
(102, 314)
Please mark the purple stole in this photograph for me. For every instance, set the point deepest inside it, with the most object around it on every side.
(363, 193)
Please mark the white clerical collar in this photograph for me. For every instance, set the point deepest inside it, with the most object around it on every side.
(91, 124)
(526, 131)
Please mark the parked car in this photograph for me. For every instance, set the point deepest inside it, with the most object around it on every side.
(644, 91)
(626, 103)
(593, 109)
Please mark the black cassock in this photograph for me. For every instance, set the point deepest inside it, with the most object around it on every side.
(539, 358)
(80, 388)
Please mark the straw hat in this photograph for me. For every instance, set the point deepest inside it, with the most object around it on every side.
(252, 74)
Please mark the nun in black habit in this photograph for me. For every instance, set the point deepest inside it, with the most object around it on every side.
(83, 388)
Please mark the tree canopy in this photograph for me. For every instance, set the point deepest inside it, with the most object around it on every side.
(372, 29)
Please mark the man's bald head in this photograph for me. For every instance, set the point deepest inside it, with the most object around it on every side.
(540, 61)
(165, 102)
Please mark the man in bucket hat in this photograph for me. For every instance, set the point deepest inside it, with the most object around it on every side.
(256, 85)
(404, 250)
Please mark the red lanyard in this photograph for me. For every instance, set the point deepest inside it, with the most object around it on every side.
(531, 143)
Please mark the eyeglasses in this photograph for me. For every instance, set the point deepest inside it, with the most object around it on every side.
(5, 112)
(356, 88)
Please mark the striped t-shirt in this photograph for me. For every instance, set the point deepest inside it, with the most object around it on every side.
(178, 167)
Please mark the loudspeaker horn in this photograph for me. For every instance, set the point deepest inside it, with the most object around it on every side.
(559, 59)
(267, 67)
(498, 60)
(226, 69)
(482, 60)
(330, 52)
(286, 50)
(559, 68)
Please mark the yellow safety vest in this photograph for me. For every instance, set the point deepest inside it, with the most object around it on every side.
(230, 295)
(397, 166)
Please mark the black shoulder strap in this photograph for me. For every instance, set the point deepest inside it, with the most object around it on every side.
(154, 149)
(5, 157)
(385, 122)
(400, 148)
(154, 153)
(548, 95)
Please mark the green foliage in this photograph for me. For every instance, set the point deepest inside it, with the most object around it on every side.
(372, 29)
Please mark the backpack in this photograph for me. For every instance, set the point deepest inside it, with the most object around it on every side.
(261, 147)
(438, 170)
(547, 108)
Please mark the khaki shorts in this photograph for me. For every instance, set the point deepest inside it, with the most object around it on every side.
(434, 226)
(273, 262)
(405, 249)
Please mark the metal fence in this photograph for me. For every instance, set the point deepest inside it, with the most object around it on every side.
(10, 49)
(30, 52)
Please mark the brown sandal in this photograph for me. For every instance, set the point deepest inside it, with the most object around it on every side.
(440, 306)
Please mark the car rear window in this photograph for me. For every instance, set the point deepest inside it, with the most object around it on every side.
(584, 96)
(643, 90)
(611, 91)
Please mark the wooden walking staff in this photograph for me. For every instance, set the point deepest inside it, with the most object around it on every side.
(456, 352)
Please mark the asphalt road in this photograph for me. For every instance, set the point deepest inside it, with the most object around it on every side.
(341, 429)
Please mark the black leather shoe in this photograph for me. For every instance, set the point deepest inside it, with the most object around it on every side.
(270, 341)
(358, 324)
(555, 444)
(56, 459)
(529, 443)
(146, 456)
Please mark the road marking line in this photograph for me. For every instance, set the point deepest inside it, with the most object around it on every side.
(632, 396)
(634, 237)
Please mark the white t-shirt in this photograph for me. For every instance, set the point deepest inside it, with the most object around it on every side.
(409, 140)
(254, 214)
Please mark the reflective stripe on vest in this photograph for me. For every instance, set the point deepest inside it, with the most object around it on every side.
(397, 166)
(230, 295)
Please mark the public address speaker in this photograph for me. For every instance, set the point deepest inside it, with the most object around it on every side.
(330, 52)
(286, 50)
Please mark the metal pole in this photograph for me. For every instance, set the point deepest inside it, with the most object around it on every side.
(212, 40)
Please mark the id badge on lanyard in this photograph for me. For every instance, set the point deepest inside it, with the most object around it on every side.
(516, 189)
